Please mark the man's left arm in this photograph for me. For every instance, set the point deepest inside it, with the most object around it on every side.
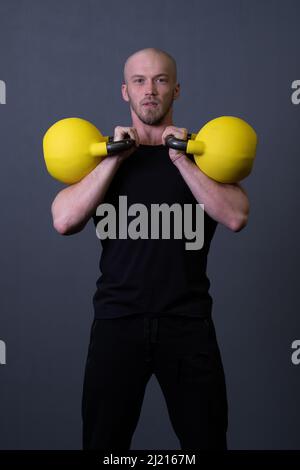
(226, 203)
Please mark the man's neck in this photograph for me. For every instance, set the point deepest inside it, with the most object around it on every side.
(150, 135)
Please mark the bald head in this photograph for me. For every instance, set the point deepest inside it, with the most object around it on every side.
(150, 86)
(147, 58)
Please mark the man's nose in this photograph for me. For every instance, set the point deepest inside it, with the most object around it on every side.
(151, 88)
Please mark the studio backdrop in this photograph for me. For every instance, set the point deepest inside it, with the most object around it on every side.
(65, 58)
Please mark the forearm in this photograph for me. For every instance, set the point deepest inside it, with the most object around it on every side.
(74, 205)
(225, 203)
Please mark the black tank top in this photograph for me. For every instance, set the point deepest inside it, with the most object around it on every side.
(159, 277)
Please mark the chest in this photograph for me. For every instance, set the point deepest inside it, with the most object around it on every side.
(150, 179)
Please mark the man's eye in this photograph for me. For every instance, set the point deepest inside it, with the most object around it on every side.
(162, 79)
(138, 80)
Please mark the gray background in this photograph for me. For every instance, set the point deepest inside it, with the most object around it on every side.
(63, 58)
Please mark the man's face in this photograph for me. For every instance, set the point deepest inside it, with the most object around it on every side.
(151, 86)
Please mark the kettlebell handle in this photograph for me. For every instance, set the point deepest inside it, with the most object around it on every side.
(189, 146)
(117, 146)
(114, 147)
(177, 144)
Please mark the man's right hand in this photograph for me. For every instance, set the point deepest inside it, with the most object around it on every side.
(121, 133)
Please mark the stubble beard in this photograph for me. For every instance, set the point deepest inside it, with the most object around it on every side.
(150, 116)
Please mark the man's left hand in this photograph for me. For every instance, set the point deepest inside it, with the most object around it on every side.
(179, 133)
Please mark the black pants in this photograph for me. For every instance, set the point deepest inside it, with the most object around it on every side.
(183, 354)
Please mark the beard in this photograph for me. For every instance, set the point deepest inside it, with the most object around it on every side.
(151, 116)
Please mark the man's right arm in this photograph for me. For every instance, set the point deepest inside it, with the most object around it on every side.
(74, 205)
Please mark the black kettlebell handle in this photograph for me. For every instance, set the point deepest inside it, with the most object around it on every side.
(115, 147)
(177, 144)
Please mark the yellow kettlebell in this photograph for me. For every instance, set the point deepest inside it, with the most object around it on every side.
(224, 148)
(73, 147)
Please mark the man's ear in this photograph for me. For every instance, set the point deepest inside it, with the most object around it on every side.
(176, 92)
(124, 92)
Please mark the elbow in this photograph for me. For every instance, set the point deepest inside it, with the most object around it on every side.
(60, 223)
(64, 227)
(238, 223)
(57, 221)
(240, 218)
(61, 227)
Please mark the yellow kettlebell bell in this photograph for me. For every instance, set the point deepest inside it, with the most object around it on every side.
(73, 147)
(224, 148)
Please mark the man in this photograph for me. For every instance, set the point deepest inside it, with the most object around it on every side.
(152, 305)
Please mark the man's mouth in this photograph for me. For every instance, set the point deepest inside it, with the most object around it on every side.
(150, 104)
